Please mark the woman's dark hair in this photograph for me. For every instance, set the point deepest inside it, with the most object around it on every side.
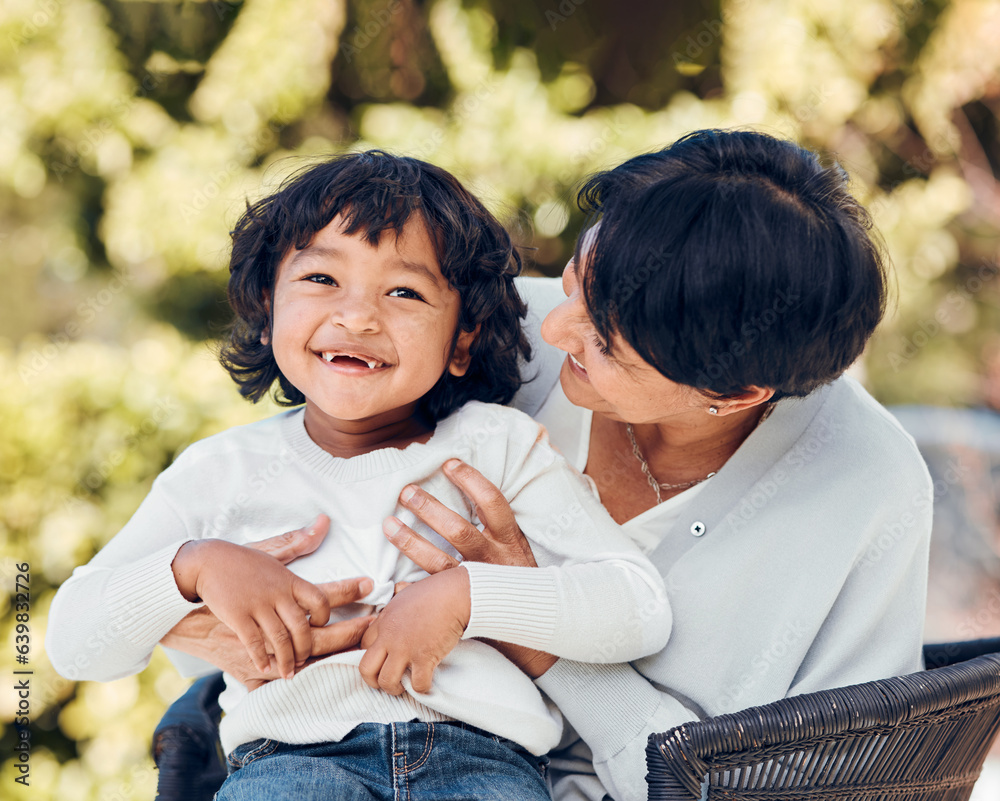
(732, 259)
(377, 194)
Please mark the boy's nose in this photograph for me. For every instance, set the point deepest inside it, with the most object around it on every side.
(356, 313)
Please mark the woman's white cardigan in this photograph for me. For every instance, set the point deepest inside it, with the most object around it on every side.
(801, 566)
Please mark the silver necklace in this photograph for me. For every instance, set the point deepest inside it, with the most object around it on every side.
(656, 485)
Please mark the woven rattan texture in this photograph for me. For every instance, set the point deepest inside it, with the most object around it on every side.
(922, 737)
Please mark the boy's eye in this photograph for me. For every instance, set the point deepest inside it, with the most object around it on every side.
(318, 278)
(403, 292)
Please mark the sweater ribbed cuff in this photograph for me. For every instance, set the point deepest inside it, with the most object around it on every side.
(512, 604)
(608, 705)
(144, 602)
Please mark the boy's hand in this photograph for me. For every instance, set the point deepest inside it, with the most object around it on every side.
(262, 601)
(416, 630)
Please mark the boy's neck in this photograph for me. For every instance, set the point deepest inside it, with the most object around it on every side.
(347, 438)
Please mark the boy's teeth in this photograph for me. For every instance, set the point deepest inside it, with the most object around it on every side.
(329, 356)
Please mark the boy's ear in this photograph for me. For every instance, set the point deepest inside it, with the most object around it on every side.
(460, 356)
(265, 335)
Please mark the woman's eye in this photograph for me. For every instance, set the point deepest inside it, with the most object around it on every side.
(602, 346)
(403, 292)
(317, 278)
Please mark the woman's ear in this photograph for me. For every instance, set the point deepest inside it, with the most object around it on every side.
(754, 396)
(460, 355)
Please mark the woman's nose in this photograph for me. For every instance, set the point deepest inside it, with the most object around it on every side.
(561, 327)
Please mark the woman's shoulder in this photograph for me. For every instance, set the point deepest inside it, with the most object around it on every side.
(864, 419)
(853, 437)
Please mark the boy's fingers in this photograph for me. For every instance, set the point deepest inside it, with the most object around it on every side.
(371, 633)
(313, 600)
(419, 550)
(421, 677)
(341, 636)
(294, 619)
(371, 665)
(346, 591)
(253, 641)
(390, 677)
(281, 643)
(292, 544)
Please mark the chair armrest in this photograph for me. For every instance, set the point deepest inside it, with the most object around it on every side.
(925, 731)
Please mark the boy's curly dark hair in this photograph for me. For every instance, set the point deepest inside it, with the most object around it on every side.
(376, 193)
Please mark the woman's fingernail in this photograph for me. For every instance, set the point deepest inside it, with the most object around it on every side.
(452, 464)
(365, 586)
(392, 525)
(408, 492)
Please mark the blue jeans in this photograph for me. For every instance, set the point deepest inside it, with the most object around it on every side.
(395, 762)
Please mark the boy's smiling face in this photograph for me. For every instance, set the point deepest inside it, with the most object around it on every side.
(365, 332)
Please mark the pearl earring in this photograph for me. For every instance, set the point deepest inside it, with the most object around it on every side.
(713, 409)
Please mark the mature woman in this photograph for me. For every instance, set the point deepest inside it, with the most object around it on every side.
(703, 326)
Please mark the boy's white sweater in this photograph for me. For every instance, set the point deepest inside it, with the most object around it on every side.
(594, 597)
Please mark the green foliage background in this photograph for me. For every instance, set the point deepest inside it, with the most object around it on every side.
(133, 133)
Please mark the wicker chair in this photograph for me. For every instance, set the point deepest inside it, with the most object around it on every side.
(922, 737)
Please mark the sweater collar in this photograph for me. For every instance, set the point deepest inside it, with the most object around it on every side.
(373, 464)
(759, 453)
